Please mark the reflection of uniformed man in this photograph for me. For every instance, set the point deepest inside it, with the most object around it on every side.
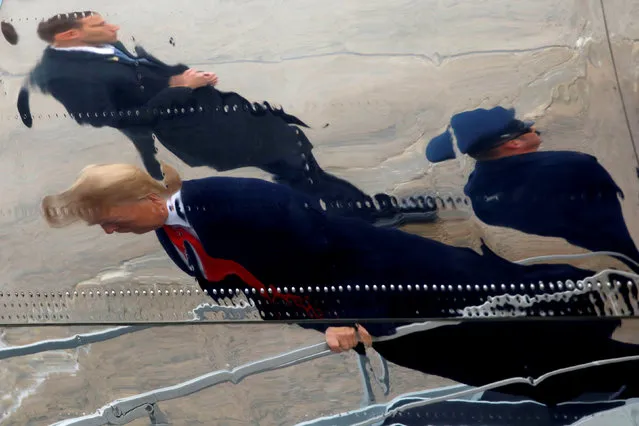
(102, 84)
(563, 194)
(255, 236)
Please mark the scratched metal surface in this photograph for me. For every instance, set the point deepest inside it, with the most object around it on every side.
(372, 134)
(375, 82)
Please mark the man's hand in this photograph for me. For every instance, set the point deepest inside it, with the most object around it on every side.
(212, 78)
(341, 339)
(193, 79)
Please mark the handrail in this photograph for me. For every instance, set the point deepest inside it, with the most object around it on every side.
(530, 260)
(125, 410)
(514, 380)
(377, 409)
(78, 340)
(349, 418)
(69, 342)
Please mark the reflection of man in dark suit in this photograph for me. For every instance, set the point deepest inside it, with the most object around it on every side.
(102, 84)
(249, 233)
(295, 262)
(563, 194)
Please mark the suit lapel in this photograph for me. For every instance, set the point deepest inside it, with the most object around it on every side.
(120, 46)
(142, 53)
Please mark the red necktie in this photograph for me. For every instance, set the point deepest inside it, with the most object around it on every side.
(215, 270)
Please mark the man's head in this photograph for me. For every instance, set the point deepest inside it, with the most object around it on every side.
(120, 198)
(485, 135)
(522, 138)
(77, 29)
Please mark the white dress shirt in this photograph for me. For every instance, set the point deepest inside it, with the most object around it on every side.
(174, 218)
(100, 50)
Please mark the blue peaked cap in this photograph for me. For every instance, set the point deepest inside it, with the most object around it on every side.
(476, 131)
(440, 148)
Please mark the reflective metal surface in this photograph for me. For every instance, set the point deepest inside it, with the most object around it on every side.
(386, 163)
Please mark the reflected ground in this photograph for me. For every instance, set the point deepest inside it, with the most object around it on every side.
(296, 394)
(416, 78)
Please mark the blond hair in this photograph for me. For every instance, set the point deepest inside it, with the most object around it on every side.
(100, 186)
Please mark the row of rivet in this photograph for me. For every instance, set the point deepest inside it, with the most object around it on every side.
(410, 202)
(39, 19)
(415, 201)
(470, 313)
(54, 212)
(426, 287)
(105, 293)
(252, 106)
(460, 415)
(498, 313)
(157, 111)
(540, 312)
(33, 317)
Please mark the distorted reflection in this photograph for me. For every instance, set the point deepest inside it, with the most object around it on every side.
(299, 249)
(101, 83)
(9, 32)
(497, 409)
(258, 236)
(563, 194)
(479, 353)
